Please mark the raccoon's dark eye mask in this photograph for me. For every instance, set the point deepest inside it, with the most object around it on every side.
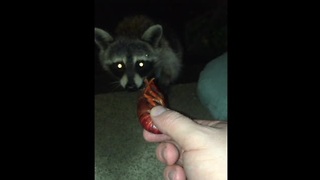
(144, 68)
(118, 68)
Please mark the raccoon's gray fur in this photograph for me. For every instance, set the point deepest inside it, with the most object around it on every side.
(139, 50)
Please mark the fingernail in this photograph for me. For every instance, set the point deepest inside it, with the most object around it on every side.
(171, 175)
(156, 111)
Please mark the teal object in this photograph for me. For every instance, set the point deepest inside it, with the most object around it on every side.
(212, 87)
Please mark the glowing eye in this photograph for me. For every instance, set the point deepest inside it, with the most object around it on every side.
(119, 66)
(141, 64)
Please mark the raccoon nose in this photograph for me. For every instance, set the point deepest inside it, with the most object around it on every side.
(131, 87)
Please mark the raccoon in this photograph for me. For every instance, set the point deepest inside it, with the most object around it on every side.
(139, 50)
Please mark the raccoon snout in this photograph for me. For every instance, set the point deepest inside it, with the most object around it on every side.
(131, 87)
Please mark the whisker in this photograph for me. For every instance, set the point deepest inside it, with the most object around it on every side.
(115, 86)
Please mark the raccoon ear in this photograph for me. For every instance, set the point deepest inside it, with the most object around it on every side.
(153, 35)
(102, 38)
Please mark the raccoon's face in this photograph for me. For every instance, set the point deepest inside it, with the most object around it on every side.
(130, 61)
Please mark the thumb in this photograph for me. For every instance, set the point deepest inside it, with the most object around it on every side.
(172, 123)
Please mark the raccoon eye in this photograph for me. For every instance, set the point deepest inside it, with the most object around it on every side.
(144, 67)
(141, 64)
(118, 68)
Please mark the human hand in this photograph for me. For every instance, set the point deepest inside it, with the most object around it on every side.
(191, 149)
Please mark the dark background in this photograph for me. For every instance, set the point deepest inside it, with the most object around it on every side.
(200, 25)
